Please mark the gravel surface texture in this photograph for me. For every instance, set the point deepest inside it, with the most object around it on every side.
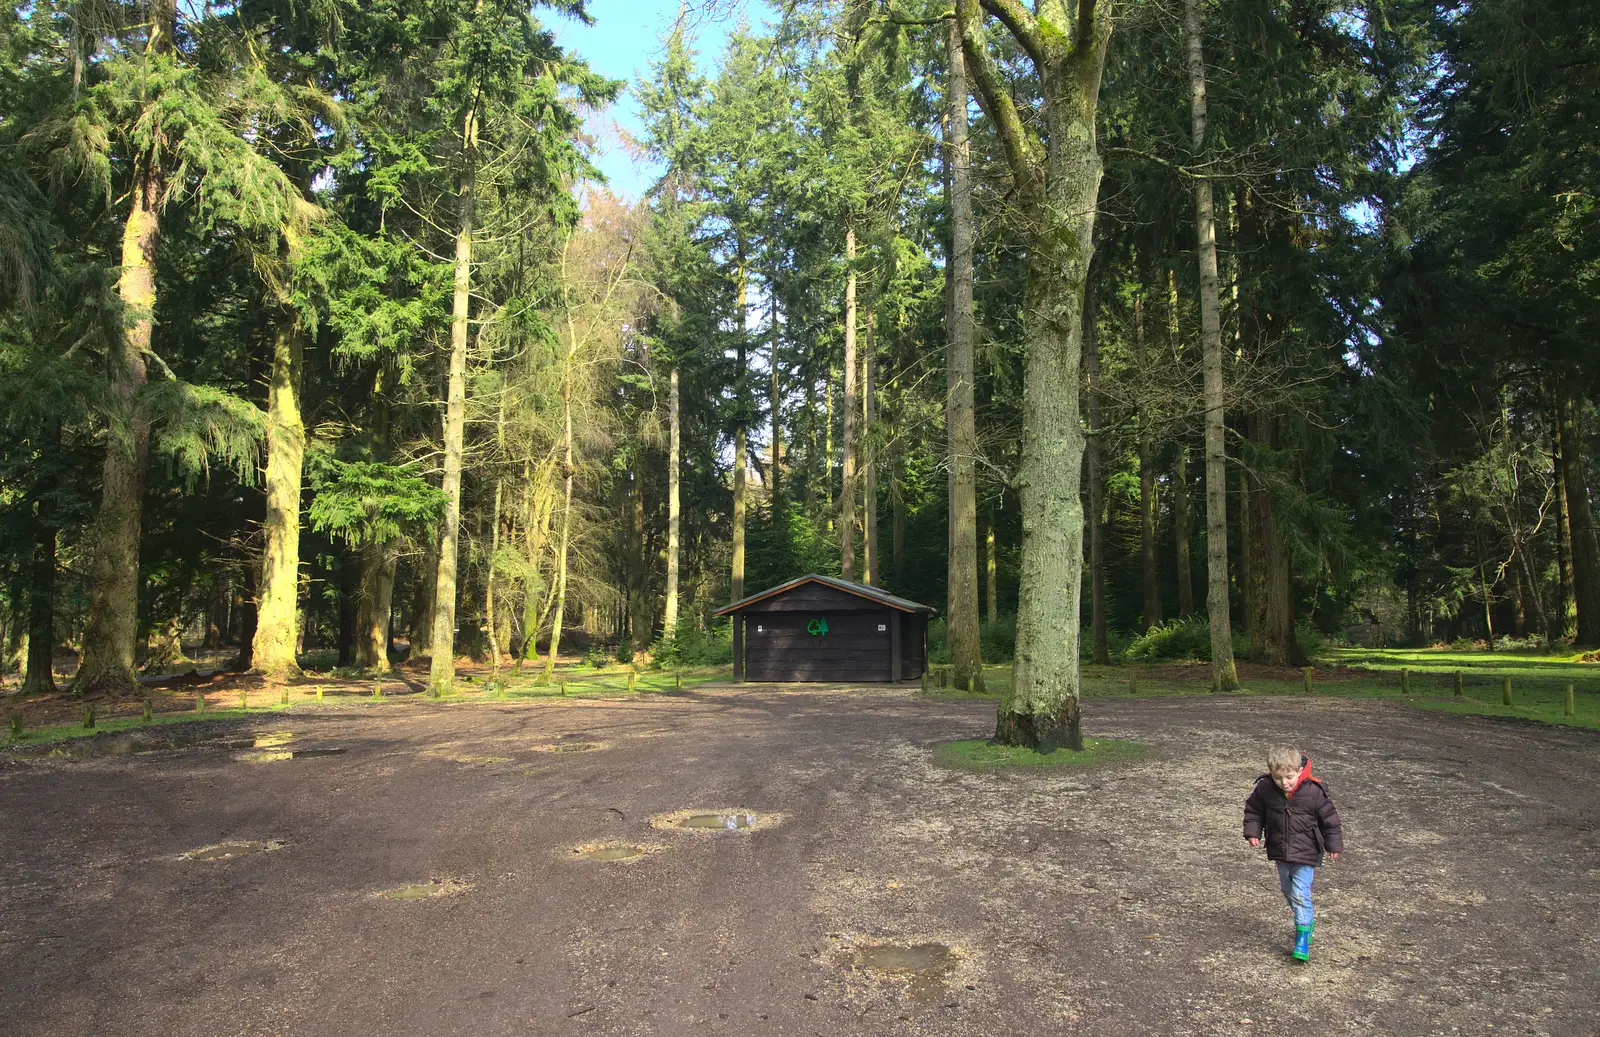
(1112, 900)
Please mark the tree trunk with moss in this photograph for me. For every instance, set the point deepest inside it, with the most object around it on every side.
(1580, 520)
(966, 644)
(564, 544)
(38, 677)
(847, 499)
(741, 432)
(111, 627)
(870, 562)
(1100, 649)
(1056, 181)
(674, 510)
(442, 672)
(377, 601)
(1224, 675)
(273, 654)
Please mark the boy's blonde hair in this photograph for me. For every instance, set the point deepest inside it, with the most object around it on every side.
(1283, 758)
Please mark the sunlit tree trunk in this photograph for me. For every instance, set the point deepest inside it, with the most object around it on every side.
(564, 545)
(111, 627)
(442, 672)
(847, 497)
(490, 616)
(1056, 176)
(639, 621)
(966, 645)
(741, 434)
(776, 456)
(827, 441)
(276, 624)
(670, 623)
(869, 458)
(1224, 676)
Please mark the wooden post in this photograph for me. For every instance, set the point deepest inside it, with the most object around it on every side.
(894, 646)
(1572, 703)
(244, 698)
(738, 647)
(1505, 691)
(88, 715)
(1305, 676)
(149, 710)
(1405, 681)
(1458, 684)
(924, 680)
(319, 693)
(200, 702)
(283, 696)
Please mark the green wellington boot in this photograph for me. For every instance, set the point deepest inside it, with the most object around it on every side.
(1302, 943)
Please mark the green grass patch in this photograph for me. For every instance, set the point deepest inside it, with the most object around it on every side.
(1528, 665)
(976, 754)
(1539, 683)
(587, 682)
(68, 732)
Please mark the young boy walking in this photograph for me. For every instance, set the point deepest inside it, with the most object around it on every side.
(1293, 812)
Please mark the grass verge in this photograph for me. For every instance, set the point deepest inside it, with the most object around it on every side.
(1539, 683)
(68, 732)
(976, 754)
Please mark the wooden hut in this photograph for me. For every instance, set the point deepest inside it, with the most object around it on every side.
(818, 628)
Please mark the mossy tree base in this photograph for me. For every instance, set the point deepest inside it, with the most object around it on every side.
(1040, 732)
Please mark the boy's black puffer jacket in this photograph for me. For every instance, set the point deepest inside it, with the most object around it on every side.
(1298, 828)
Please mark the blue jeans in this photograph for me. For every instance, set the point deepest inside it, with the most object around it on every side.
(1295, 881)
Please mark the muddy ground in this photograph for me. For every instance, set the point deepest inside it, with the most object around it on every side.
(1114, 901)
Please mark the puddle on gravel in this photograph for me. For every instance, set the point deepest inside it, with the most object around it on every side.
(708, 820)
(230, 850)
(730, 822)
(431, 890)
(278, 755)
(916, 959)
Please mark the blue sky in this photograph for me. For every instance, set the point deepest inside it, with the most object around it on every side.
(626, 37)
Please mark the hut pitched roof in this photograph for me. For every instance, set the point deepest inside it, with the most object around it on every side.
(860, 590)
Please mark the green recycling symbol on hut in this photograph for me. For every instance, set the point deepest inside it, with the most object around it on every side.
(817, 627)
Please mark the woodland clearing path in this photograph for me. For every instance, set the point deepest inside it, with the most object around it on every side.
(1113, 900)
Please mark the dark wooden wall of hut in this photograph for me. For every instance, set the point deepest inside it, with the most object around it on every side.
(818, 633)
